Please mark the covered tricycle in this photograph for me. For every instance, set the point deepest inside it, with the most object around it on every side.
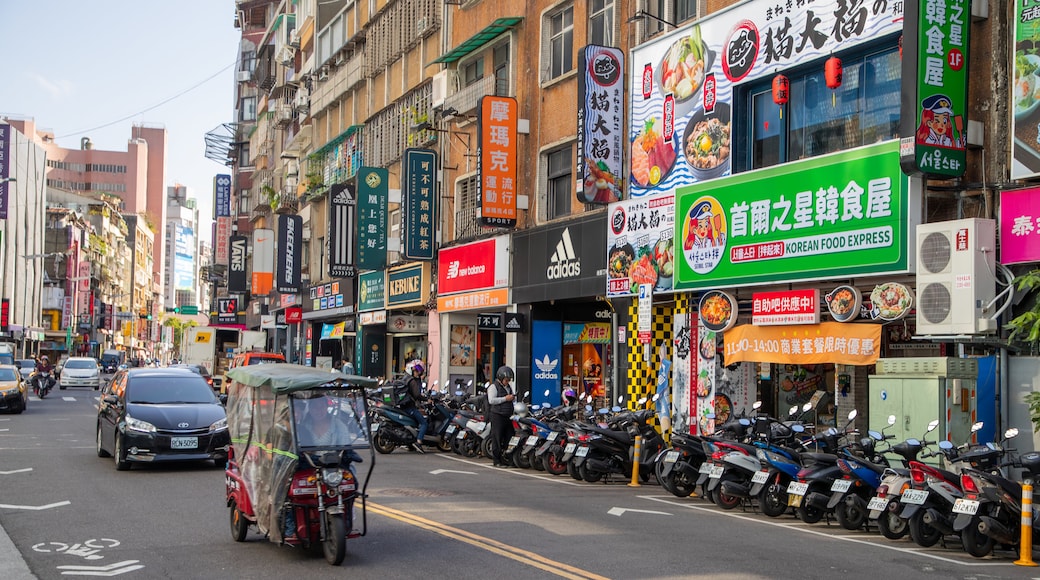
(296, 436)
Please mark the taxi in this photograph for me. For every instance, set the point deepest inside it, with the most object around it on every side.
(14, 395)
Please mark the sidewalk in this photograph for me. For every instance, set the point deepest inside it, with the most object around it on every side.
(12, 566)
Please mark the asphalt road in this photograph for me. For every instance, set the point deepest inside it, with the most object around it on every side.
(69, 513)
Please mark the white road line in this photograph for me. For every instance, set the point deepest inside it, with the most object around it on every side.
(13, 471)
(557, 479)
(68, 398)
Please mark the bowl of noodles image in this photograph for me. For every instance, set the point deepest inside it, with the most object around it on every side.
(843, 303)
(718, 310)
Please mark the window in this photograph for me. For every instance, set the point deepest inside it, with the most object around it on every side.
(817, 120)
(248, 61)
(472, 71)
(601, 22)
(247, 111)
(559, 164)
(501, 64)
(243, 204)
(560, 36)
(685, 10)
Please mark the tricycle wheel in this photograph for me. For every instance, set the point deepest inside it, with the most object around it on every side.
(335, 544)
(382, 442)
(239, 523)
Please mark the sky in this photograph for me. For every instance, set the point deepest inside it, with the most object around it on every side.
(95, 68)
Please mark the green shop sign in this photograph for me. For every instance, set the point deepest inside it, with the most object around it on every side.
(372, 291)
(372, 197)
(408, 285)
(832, 216)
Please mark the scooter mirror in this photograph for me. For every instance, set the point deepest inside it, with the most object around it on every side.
(945, 445)
(546, 405)
(875, 435)
(756, 405)
(891, 420)
(588, 408)
(798, 428)
(620, 399)
(793, 411)
(604, 411)
(807, 407)
(852, 415)
(546, 392)
(655, 397)
(932, 426)
(1011, 433)
(744, 421)
(459, 393)
(976, 426)
(470, 383)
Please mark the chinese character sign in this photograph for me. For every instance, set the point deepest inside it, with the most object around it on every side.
(222, 196)
(935, 87)
(601, 109)
(1025, 123)
(419, 198)
(1019, 226)
(640, 249)
(496, 161)
(5, 167)
(373, 195)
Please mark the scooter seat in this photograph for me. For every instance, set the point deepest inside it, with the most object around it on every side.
(815, 458)
(621, 436)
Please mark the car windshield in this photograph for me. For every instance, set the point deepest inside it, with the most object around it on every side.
(27, 363)
(160, 390)
(7, 375)
(80, 364)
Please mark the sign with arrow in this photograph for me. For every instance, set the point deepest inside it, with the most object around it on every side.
(110, 570)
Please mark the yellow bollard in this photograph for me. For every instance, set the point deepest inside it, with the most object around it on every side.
(635, 462)
(1025, 547)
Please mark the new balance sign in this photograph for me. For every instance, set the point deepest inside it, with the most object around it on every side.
(564, 263)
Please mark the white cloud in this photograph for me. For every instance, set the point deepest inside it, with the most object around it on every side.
(58, 89)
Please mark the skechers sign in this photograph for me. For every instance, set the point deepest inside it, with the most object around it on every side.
(289, 253)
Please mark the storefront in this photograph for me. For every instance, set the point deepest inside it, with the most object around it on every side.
(472, 299)
(405, 336)
(371, 323)
(558, 274)
(329, 323)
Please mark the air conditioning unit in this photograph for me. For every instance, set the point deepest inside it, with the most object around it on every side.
(323, 73)
(244, 76)
(294, 38)
(445, 83)
(956, 277)
(301, 102)
(285, 56)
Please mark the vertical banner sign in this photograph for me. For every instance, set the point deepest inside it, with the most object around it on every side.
(237, 247)
(263, 262)
(222, 235)
(683, 399)
(221, 196)
(342, 214)
(547, 355)
(5, 312)
(418, 198)
(373, 196)
(496, 161)
(1025, 123)
(290, 252)
(601, 108)
(645, 312)
(5, 167)
(933, 129)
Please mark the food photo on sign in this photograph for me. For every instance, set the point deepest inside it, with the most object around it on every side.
(640, 245)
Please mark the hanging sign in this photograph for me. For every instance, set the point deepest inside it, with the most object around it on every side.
(373, 196)
(827, 342)
(787, 307)
(601, 110)
(496, 161)
(340, 235)
(419, 198)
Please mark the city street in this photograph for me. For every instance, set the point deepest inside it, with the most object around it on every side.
(70, 513)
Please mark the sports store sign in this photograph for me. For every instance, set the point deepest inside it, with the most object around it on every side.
(476, 266)
(838, 215)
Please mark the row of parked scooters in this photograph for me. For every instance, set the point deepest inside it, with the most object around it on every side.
(928, 490)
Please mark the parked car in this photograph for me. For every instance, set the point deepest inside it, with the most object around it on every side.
(150, 415)
(14, 395)
(26, 367)
(199, 369)
(80, 371)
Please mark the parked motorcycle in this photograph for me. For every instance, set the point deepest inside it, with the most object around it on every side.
(810, 494)
(860, 480)
(991, 509)
(885, 506)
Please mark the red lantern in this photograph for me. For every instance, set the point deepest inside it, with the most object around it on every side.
(832, 72)
(781, 90)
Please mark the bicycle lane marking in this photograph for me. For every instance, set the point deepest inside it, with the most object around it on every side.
(523, 556)
(915, 551)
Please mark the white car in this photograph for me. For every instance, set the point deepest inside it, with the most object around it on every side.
(80, 371)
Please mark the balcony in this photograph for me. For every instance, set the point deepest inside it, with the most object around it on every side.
(467, 99)
(338, 81)
(283, 115)
(288, 203)
(467, 224)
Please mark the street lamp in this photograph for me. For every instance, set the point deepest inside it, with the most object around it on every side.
(643, 14)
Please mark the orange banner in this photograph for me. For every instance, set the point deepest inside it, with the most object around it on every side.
(498, 297)
(827, 342)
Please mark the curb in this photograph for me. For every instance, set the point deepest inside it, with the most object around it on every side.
(12, 565)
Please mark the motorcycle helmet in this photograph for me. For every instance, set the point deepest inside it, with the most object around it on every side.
(414, 366)
(505, 372)
(520, 408)
(569, 396)
(44, 358)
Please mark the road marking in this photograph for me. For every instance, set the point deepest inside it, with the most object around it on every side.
(68, 398)
(1, 430)
(35, 507)
(557, 479)
(110, 570)
(440, 471)
(915, 550)
(23, 470)
(618, 511)
(513, 553)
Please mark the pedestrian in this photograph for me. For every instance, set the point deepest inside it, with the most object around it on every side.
(337, 365)
(411, 403)
(500, 400)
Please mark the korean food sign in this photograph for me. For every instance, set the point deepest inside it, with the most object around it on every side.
(836, 215)
(496, 161)
(681, 95)
(639, 244)
(601, 111)
(935, 87)
(1025, 123)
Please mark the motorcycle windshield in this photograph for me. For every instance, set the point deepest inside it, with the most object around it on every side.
(330, 419)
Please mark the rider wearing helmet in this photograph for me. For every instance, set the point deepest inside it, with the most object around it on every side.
(500, 399)
(415, 370)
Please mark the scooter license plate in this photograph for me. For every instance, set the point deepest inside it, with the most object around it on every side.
(965, 506)
(570, 448)
(184, 442)
(374, 427)
(705, 468)
(514, 440)
(841, 485)
(915, 496)
(794, 500)
(877, 504)
(760, 477)
(671, 457)
(582, 451)
(552, 436)
(797, 488)
(716, 471)
(450, 429)
(460, 435)
(532, 440)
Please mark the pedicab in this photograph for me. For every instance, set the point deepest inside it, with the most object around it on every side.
(297, 434)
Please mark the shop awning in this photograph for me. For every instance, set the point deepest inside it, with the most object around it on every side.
(489, 33)
(332, 331)
(804, 344)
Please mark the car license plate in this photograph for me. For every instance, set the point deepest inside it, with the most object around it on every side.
(184, 443)
(716, 471)
(569, 448)
(760, 477)
(841, 485)
(532, 440)
(552, 436)
(915, 496)
(704, 468)
(965, 506)
(582, 451)
(797, 488)
(671, 457)
(877, 504)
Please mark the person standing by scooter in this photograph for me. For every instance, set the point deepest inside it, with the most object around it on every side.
(411, 404)
(500, 400)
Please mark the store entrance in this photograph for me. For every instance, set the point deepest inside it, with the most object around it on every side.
(490, 346)
(583, 368)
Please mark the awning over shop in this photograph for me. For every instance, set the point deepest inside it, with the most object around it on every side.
(332, 331)
(827, 342)
(489, 33)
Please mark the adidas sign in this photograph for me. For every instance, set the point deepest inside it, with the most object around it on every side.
(563, 263)
(546, 367)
